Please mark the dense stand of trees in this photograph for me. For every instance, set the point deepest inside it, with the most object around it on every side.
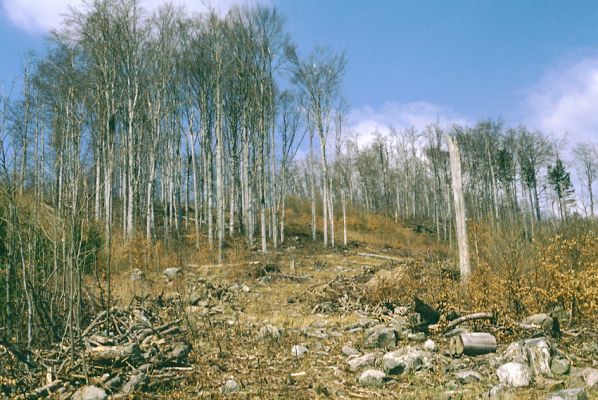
(151, 125)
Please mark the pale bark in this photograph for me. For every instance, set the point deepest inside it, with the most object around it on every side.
(459, 203)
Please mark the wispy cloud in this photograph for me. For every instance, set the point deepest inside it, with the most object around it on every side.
(367, 122)
(40, 16)
(565, 100)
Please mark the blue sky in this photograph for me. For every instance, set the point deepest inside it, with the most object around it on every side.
(419, 61)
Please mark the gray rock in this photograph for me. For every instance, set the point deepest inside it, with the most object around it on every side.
(430, 345)
(400, 323)
(230, 386)
(172, 273)
(536, 319)
(137, 275)
(408, 359)
(270, 332)
(569, 394)
(448, 395)
(366, 360)
(90, 393)
(299, 350)
(500, 391)
(535, 353)
(560, 366)
(589, 376)
(349, 351)
(372, 377)
(468, 376)
(514, 374)
(319, 333)
(380, 336)
(197, 295)
(363, 323)
(417, 337)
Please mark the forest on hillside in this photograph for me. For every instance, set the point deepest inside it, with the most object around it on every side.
(205, 131)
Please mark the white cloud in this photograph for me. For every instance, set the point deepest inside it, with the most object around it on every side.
(565, 101)
(367, 122)
(40, 16)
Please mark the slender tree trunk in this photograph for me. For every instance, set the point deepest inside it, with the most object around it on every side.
(455, 161)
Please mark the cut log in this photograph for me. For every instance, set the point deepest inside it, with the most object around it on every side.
(113, 353)
(470, 317)
(472, 344)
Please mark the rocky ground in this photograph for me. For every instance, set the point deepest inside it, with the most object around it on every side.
(301, 325)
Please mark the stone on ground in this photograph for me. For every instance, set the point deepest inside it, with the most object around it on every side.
(172, 273)
(357, 363)
(560, 366)
(372, 377)
(230, 386)
(405, 360)
(299, 350)
(349, 350)
(90, 393)
(430, 345)
(514, 374)
(270, 332)
(380, 336)
(569, 394)
(468, 376)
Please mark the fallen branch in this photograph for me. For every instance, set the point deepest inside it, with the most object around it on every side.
(45, 390)
(470, 317)
(379, 256)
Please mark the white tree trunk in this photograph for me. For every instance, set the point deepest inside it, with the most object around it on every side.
(460, 221)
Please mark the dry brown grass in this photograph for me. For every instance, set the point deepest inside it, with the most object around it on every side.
(226, 343)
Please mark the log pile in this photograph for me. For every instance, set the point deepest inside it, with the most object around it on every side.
(120, 352)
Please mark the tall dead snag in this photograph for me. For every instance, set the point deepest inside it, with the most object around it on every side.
(457, 183)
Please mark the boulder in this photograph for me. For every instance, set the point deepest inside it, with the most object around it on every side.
(408, 359)
(560, 366)
(501, 391)
(589, 376)
(430, 345)
(137, 275)
(417, 336)
(363, 323)
(90, 393)
(569, 394)
(230, 386)
(270, 332)
(539, 320)
(379, 281)
(372, 377)
(514, 374)
(468, 376)
(349, 350)
(357, 363)
(380, 336)
(299, 350)
(172, 273)
(536, 353)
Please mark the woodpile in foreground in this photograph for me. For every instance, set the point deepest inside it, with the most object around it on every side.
(120, 352)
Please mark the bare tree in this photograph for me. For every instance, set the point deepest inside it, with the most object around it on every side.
(587, 161)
